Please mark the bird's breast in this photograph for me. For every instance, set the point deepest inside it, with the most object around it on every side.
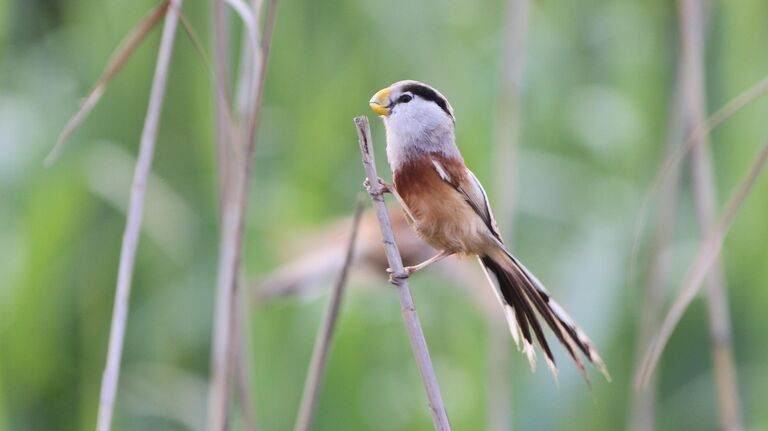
(442, 216)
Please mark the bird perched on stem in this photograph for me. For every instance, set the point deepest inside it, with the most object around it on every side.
(449, 209)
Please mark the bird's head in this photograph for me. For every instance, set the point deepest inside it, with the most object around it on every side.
(412, 108)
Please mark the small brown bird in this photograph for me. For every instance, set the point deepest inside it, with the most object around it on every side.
(449, 209)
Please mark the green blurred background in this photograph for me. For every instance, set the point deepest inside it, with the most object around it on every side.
(598, 87)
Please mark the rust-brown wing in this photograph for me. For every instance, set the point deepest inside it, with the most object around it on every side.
(455, 173)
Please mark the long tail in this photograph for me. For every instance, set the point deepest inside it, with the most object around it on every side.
(523, 297)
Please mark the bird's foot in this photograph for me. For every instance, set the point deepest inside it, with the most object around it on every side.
(398, 278)
(407, 271)
(384, 187)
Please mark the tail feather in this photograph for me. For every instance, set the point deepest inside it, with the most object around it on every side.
(521, 301)
(541, 302)
(521, 292)
(576, 334)
(522, 311)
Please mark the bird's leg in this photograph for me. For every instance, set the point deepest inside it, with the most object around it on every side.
(436, 258)
(389, 188)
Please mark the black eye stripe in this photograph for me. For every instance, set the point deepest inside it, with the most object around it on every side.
(427, 93)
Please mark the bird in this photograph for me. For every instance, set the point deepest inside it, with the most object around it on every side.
(448, 208)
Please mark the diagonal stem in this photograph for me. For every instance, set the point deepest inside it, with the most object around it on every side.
(707, 255)
(400, 280)
(133, 222)
(642, 416)
(325, 334)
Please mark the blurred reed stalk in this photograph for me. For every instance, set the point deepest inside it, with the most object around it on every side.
(692, 30)
(400, 279)
(506, 143)
(672, 161)
(133, 222)
(240, 360)
(325, 333)
(222, 48)
(706, 257)
(238, 354)
(642, 415)
(235, 152)
(710, 247)
(119, 58)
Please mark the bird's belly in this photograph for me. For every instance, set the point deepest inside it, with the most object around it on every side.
(447, 222)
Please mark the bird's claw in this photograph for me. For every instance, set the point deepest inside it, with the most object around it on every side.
(385, 187)
(396, 278)
(407, 271)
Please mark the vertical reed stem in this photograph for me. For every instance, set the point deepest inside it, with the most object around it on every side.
(643, 408)
(239, 160)
(507, 141)
(692, 64)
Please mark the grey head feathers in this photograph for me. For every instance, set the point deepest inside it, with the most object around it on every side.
(404, 91)
(421, 121)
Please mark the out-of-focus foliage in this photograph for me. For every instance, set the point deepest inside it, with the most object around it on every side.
(598, 90)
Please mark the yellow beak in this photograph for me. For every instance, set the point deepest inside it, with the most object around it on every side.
(379, 102)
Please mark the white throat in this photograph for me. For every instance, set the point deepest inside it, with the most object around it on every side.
(414, 133)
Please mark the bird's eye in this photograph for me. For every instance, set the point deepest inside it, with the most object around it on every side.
(405, 98)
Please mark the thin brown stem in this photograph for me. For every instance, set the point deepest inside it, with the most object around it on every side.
(229, 265)
(499, 375)
(508, 119)
(706, 256)
(221, 54)
(218, 395)
(133, 222)
(643, 408)
(507, 141)
(672, 162)
(240, 356)
(400, 280)
(259, 79)
(692, 27)
(325, 333)
(121, 56)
